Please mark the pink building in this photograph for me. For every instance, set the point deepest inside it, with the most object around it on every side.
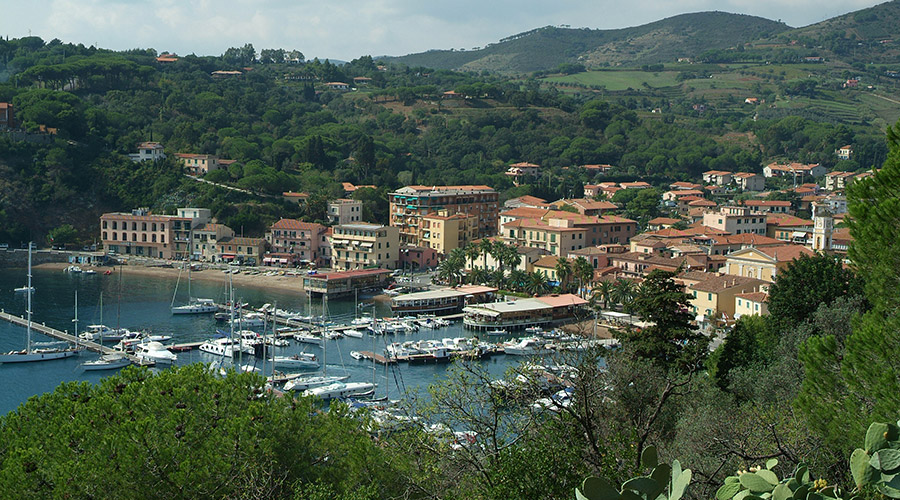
(299, 239)
(413, 257)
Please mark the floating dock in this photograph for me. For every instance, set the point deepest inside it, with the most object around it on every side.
(58, 335)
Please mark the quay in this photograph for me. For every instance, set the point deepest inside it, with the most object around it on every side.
(58, 335)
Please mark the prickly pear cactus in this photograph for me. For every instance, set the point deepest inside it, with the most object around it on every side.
(759, 483)
(878, 463)
(664, 483)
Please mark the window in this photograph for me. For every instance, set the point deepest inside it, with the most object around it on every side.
(114, 225)
(739, 302)
(709, 296)
(104, 227)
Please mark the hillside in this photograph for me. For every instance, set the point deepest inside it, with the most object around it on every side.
(867, 35)
(661, 41)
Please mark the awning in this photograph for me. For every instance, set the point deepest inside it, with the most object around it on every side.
(367, 244)
(798, 234)
(228, 256)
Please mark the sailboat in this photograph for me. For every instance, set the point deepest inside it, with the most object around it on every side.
(194, 305)
(29, 354)
(106, 361)
(307, 382)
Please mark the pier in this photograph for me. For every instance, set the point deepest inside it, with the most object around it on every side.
(58, 335)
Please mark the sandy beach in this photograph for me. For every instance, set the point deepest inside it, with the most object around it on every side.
(261, 281)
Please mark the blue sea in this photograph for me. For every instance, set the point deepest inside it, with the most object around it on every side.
(142, 303)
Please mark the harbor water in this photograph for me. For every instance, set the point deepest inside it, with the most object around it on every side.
(140, 302)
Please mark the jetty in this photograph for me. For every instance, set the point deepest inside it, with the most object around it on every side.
(64, 336)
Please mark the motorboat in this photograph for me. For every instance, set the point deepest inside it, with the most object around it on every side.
(308, 382)
(196, 306)
(111, 361)
(89, 271)
(354, 333)
(302, 360)
(528, 346)
(497, 332)
(220, 347)
(156, 352)
(306, 338)
(72, 269)
(534, 329)
(341, 390)
(23, 289)
(249, 320)
(357, 355)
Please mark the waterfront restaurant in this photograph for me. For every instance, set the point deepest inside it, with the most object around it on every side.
(441, 302)
(346, 282)
(522, 313)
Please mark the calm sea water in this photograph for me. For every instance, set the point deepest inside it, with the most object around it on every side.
(141, 302)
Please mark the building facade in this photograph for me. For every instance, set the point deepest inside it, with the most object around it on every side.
(364, 246)
(300, 240)
(344, 211)
(408, 205)
(444, 232)
(736, 220)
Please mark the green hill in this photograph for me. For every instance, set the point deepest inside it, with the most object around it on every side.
(661, 41)
(867, 35)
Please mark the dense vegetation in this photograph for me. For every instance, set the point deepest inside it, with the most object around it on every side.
(288, 132)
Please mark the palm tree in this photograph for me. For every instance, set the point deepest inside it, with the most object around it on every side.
(536, 284)
(585, 274)
(516, 280)
(563, 272)
(484, 247)
(472, 252)
(477, 276)
(509, 256)
(451, 268)
(623, 292)
(603, 291)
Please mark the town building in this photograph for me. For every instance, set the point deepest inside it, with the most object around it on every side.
(148, 151)
(526, 201)
(522, 313)
(297, 242)
(365, 246)
(836, 181)
(205, 238)
(844, 153)
(201, 164)
(415, 258)
(586, 206)
(794, 170)
(408, 205)
(241, 250)
(344, 211)
(751, 304)
(736, 220)
(714, 298)
(338, 283)
(7, 117)
(442, 301)
(769, 206)
(749, 181)
(523, 172)
(763, 263)
(292, 197)
(823, 228)
(718, 177)
(142, 233)
(444, 231)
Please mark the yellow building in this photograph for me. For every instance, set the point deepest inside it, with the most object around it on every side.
(409, 204)
(763, 263)
(750, 304)
(361, 246)
(443, 231)
(715, 297)
(238, 249)
(546, 267)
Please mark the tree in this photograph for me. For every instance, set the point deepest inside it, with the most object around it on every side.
(671, 342)
(486, 246)
(472, 253)
(850, 382)
(563, 272)
(806, 283)
(583, 270)
(62, 235)
(183, 432)
(603, 292)
(451, 268)
(536, 284)
(623, 292)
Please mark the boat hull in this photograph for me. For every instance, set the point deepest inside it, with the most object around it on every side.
(23, 357)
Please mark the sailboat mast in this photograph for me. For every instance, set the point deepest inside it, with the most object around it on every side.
(28, 303)
(101, 318)
(324, 333)
(75, 320)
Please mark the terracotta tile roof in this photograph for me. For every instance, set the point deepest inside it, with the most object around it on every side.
(766, 203)
(786, 220)
(524, 164)
(685, 185)
(703, 203)
(529, 212)
(663, 220)
(296, 224)
(749, 239)
(721, 282)
(530, 200)
(746, 175)
(759, 297)
(548, 262)
(786, 253)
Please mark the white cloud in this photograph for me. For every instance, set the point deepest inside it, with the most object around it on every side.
(351, 28)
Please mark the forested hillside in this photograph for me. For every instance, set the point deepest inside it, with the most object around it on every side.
(661, 41)
(288, 131)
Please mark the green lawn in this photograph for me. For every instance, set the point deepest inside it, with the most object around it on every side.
(619, 80)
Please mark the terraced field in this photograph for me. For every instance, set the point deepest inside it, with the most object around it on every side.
(619, 80)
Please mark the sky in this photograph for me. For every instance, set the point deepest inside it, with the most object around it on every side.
(347, 29)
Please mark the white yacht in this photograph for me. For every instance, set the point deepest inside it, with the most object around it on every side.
(341, 390)
(302, 360)
(305, 338)
(528, 346)
(110, 361)
(308, 382)
(156, 352)
(196, 306)
(353, 332)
